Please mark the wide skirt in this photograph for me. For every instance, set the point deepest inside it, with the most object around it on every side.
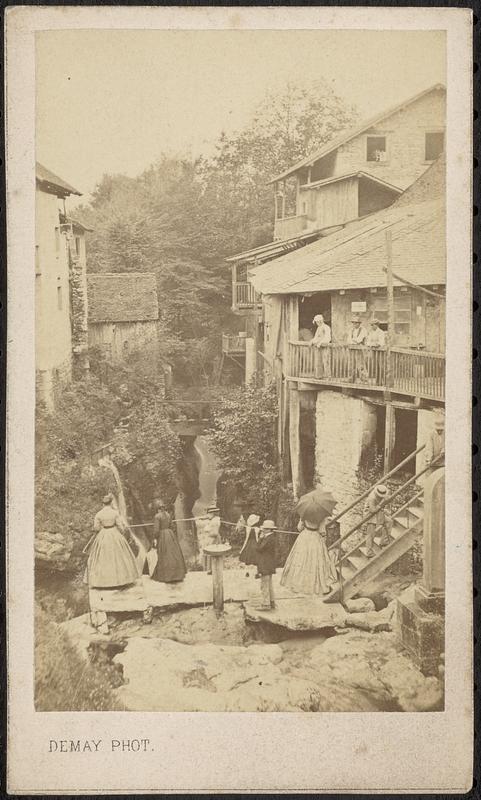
(308, 568)
(111, 561)
(170, 565)
(248, 554)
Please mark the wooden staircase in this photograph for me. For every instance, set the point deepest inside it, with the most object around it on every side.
(354, 567)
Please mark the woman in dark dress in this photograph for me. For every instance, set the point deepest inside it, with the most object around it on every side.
(170, 566)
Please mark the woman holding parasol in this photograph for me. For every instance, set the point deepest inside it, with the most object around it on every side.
(308, 568)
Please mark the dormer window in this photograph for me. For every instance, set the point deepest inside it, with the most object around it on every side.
(433, 145)
(376, 149)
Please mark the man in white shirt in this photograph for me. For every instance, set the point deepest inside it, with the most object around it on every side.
(358, 337)
(376, 340)
(321, 340)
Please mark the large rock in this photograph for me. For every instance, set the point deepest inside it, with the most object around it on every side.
(53, 549)
(360, 604)
(299, 614)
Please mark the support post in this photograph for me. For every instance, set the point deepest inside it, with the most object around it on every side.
(234, 282)
(389, 436)
(217, 553)
(294, 440)
(390, 309)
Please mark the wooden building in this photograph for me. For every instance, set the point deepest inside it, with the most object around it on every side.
(123, 313)
(353, 398)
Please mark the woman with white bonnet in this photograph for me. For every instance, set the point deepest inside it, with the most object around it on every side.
(248, 551)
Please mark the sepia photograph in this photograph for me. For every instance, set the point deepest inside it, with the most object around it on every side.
(241, 349)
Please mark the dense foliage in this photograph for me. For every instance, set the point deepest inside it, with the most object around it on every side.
(63, 681)
(182, 217)
(244, 441)
(117, 406)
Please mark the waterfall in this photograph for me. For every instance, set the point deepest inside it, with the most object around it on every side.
(208, 475)
(121, 506)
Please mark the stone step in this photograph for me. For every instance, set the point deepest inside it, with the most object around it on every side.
(418, 512)
(358, 560)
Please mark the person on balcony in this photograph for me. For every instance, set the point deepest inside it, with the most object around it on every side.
(376, 340)
(322, 340)
(380, 523)
(434, 452)
(358, 337)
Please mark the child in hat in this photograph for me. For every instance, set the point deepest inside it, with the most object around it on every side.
(379, 520)
(266, 562)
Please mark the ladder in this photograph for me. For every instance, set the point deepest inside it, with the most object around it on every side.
(354, 567)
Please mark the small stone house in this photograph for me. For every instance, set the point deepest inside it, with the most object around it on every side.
(123, 313)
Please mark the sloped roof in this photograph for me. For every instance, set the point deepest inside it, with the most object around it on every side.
(359, 174)
(122, 297)
(352, 133)
(52, 183)
(355, 256)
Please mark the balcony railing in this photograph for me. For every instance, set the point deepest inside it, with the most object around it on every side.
(233, 345)
(244, 295)
(289, 226)
(415, 373)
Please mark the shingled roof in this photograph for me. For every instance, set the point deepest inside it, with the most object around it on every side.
(355, 256)
(51, 183)
(122, 297)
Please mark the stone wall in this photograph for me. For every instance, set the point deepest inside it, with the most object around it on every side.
(345, 427)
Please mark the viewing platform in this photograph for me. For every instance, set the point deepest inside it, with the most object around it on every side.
(409, 372)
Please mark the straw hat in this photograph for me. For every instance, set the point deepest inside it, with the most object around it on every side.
(381, 491)
(268, 525)
(318, 318)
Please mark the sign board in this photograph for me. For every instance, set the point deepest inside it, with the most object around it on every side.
(358, 306)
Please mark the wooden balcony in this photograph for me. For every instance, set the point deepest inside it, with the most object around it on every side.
(413, 372)
(233, 345)
(288, 227)
(244, 296)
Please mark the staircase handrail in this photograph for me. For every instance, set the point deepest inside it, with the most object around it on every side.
(381, 480)
(384, 503)
(397, 512)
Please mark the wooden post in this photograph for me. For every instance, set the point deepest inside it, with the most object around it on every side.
(234, 288)
(294, 439)
(389, 436)
(217, 553)
(390, 310)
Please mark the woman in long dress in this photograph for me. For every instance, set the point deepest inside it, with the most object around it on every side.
(111, 562)
(308, 568)
(248, 551)
(170, 567)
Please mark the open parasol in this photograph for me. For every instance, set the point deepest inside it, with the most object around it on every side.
(315, 506)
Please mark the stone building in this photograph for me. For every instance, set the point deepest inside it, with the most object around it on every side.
(360, 172)
(339, 404)
(60, 295)
(123, 313)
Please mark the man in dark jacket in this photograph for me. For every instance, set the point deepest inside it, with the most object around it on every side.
(266, 562)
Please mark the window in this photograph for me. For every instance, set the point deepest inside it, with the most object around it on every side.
(59, 298)
(376, 148)
(433, 145)
(402, 314)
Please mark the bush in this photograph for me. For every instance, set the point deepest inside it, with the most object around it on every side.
(244, 438)
(63, 681)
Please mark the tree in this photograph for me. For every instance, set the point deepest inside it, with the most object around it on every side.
(182, 217)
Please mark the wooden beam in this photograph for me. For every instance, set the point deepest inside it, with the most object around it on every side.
(294, 440)
(390, 308)
(389, 436)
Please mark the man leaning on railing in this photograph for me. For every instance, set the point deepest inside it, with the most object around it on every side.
(321, 340)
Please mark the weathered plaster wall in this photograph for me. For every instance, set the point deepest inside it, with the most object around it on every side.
(345, 426)
(118, 339)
